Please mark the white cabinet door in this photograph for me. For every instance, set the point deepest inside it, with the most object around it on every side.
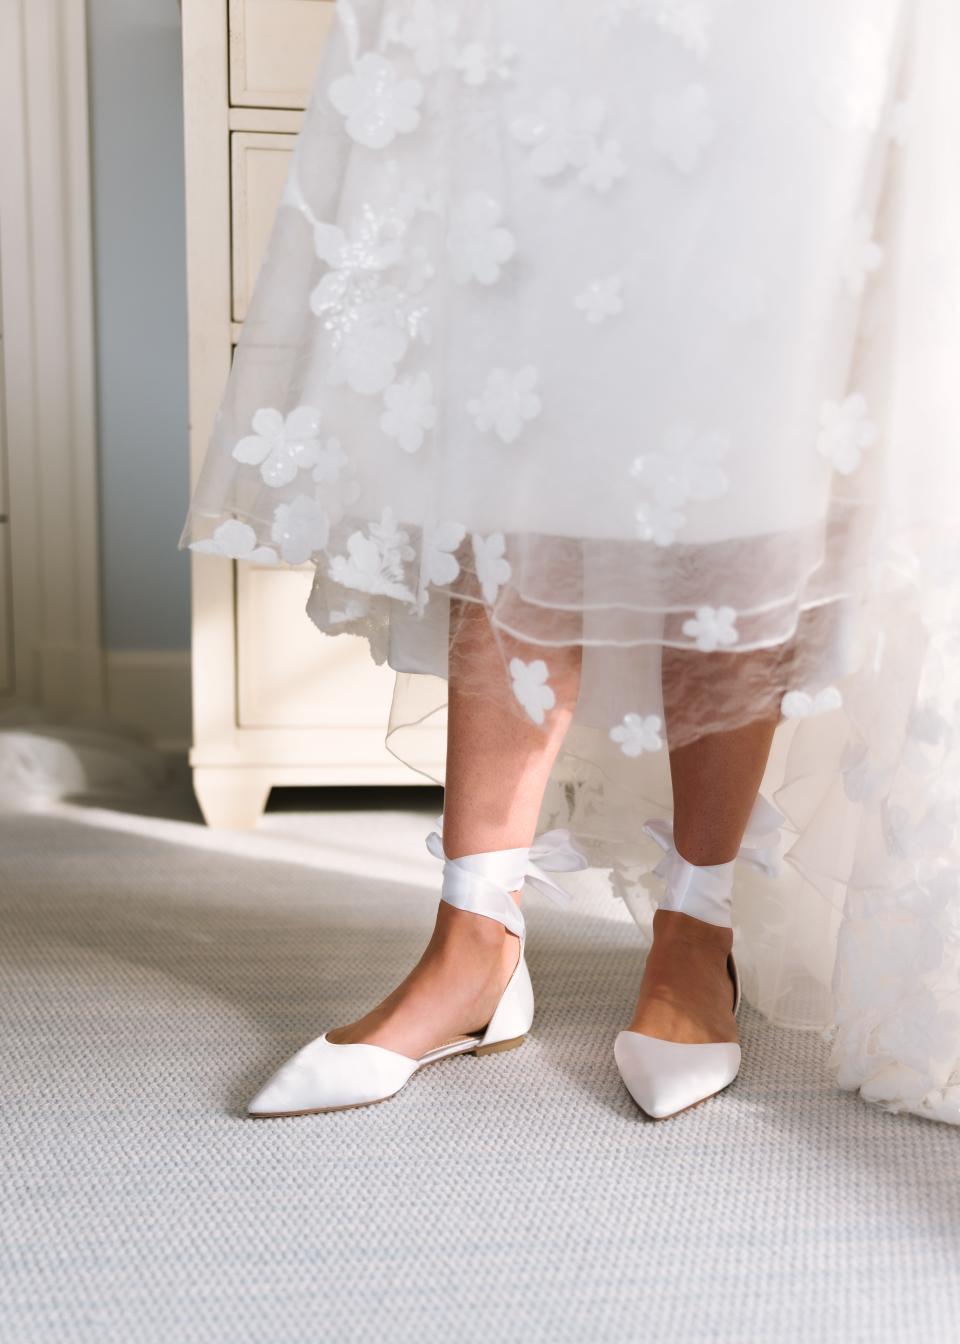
(259, 168)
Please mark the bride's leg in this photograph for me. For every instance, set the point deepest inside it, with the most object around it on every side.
(498, 765)
(685, 994)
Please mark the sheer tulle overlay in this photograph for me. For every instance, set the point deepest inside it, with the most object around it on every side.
(637, 323)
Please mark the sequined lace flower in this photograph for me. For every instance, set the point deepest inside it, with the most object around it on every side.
(562, 133)
(236, 541)
(375, 562)
(532, 688)
(686, 469)
(301, 528)
(281, 446)
(492, 568)
(712, 628)
(370, 349)
(683, 127)
(846, 431)
(409, 411)
(508, 401)
(438, 560)
(604, 167)
(376, 102)
(477, 241)
(357, 261)
(427, 28)
(638, 733)
(559, 133)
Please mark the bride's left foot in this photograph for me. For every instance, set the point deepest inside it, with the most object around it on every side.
(686, 995)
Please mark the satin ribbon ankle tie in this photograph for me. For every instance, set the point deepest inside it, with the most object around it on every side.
(481, 883)
(706, 891)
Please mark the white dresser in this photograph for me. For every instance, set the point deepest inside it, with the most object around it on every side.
(274, 701)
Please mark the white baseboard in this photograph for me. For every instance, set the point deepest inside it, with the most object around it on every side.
(149, 689)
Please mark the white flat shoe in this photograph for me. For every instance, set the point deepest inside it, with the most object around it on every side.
(323, 1076)
(665, 1077)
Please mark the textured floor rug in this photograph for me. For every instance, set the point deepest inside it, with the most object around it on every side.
(152, 974)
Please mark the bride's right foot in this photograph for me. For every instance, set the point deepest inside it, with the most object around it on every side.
(452, 991)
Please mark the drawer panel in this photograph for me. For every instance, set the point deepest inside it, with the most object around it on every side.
(6, 614)
(289, 675)
(275, 46)
(259, 165)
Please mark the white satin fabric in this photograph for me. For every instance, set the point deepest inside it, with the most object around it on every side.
(638, 323)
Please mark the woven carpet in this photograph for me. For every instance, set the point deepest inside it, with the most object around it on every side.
(153, 973)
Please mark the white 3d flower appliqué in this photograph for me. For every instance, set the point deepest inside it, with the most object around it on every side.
(375, 563)
(492, 568)
(368, 353)
(376, 102)
(712, 628)
(638, 733)
(508, 401)
(427, 29)
(683, 127)
(658, 522)
(846, 431)
(687, 469)
(357, 261)
(604, 167)
(477, 242)
(531, 687)
(301, 528)
(601, 299)
(236, 541)
(862, 256)
(281, 446)
(561, 133)
(804, 705)
(409, 411)
(438, 562)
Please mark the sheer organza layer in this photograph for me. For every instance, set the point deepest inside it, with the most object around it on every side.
(637, 330)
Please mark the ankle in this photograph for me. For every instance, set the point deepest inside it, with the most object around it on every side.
(456, 928)
(671, 929)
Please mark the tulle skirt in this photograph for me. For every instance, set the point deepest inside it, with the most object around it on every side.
(637, 324)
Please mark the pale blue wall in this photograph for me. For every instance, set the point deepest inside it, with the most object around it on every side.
(137, 132)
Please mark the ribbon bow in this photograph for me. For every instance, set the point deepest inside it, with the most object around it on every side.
(552, 852)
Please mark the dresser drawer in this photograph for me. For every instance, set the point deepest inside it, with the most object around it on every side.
(275, 46)
(289, 675)
(6, 616)
(260, 161)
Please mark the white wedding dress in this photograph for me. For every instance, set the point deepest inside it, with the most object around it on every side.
(638, 321)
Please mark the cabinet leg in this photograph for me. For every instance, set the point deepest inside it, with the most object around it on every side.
(231, 797)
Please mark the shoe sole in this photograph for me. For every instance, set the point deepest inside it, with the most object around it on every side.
(496, 1048)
